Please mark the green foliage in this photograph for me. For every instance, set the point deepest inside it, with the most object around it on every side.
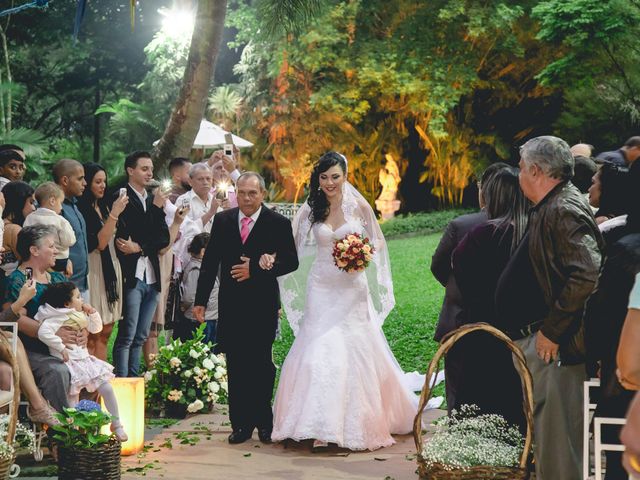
(420, 222)
(80, 427)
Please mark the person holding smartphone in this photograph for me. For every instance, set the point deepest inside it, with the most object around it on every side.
(105, 275)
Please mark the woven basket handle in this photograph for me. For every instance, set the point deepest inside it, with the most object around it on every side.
(521, 367)
(6, 354)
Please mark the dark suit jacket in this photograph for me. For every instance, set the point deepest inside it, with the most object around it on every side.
(148, 229)
(248, 310)
(452, 314)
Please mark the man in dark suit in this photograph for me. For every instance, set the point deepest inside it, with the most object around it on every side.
(141, 233)
(250, 246)
(452, 314)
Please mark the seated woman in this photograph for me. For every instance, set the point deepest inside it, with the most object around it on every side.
(36, 247)
(489, 377)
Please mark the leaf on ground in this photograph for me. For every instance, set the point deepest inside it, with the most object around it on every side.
(380, 459)
(247, 455)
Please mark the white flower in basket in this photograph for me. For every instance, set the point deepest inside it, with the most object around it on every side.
(175, 362)
(194, 354)
(214, 387)
(195, 406)
(467, 439)
(24, 438)
(208, 364)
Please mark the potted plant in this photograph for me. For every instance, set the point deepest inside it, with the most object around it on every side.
(84, 452)
(23, 438)
(187, 377)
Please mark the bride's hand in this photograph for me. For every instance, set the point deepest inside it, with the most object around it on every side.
(267, 260)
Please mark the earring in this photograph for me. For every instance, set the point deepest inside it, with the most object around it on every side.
(319, 188)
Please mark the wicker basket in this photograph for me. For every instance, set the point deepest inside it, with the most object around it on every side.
(99, 463)
(7, 467)
(442, 472)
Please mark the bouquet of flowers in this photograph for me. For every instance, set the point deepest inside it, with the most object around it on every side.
(24, 438)
(353, 253)
(80, 426)
(466, 439)
(187, 376)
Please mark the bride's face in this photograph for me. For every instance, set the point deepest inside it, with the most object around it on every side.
(331, 181)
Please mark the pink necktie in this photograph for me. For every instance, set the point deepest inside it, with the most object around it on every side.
(244, 231)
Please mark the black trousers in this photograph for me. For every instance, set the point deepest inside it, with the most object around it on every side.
(252, 375)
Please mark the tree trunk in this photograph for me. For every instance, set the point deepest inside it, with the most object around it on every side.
(188, 111)
(96, 123)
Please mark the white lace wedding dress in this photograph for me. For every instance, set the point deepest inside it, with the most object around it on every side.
(340, 382)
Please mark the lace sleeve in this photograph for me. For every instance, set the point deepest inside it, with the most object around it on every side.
(293, 287)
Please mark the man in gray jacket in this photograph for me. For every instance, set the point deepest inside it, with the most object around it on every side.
(565, 253)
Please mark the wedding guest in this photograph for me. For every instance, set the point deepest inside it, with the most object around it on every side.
(452, 314)
(202, 204)
(105, 275)
(69, 175)
(20, 203)
(604, 319)
(478, 261)
(607, 192)
(37, 249)
(11, 166)
(564, 248)
(630, 437)
(624, 156)
(50, 197)
(188, 288)
(141, 234)
(39, 409)
(179, 171)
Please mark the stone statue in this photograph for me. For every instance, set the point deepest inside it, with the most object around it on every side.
(389, 177)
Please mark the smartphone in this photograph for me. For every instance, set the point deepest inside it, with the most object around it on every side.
(123, 192)
(185, 203)
(28, 272)
(228, 145)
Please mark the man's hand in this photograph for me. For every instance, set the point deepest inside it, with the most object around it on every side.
(547, 350)
(65, 355)
(127, 246)
(229, 163)
(181, 214)
(160, 198)
(70, 336)
(215, 157)
(267, 260)
(241, 271)
(225, 204)
(198, 313)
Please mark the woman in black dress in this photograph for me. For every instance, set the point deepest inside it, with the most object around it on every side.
(490, 380)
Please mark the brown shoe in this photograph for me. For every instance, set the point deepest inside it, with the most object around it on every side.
(44, 415)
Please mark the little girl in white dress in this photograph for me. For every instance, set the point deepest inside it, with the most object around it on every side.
(62, 306)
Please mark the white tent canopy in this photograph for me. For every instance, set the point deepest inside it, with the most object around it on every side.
(211, 135)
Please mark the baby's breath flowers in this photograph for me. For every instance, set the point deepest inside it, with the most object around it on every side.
(468, 439)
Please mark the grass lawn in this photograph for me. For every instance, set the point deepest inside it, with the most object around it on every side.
(410, 326)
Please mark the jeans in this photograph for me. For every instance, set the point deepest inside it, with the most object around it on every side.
(139, 306)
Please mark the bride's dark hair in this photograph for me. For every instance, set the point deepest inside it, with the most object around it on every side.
(317, 199)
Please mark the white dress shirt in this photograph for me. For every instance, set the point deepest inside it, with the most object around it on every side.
(144, 268)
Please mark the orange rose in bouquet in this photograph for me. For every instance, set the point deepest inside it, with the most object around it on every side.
(353, 253)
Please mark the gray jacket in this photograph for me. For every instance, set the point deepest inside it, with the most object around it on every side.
(565, 247)
(188, 289)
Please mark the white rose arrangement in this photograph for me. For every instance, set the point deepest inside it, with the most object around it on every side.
(187, 374)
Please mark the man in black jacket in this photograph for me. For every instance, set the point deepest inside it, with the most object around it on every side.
(141, 233)
(251, 246)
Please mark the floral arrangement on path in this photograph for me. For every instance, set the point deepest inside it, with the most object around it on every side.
(353, 253)
(468, 439)
(24, 438)
(187, 375)
(80, 426)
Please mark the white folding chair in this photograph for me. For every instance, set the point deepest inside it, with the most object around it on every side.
(588, 411)
(600, 447)
(6, 396)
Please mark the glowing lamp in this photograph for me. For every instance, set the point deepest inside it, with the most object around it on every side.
(130, 395)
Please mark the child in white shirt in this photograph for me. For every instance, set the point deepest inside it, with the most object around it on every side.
(63, 306)
(50, 197)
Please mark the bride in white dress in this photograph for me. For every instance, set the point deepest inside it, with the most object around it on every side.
(340, 382)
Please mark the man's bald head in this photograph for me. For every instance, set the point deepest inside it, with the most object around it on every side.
(69, 175)
(582, 149)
